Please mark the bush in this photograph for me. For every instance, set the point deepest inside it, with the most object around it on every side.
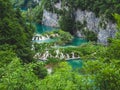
(90, 35)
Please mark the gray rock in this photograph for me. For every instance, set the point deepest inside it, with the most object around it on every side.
(50, 19)
(93, 24)
(102, 37)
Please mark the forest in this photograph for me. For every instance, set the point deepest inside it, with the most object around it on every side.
(20, 67)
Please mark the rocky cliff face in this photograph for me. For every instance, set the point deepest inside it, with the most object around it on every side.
(50, 19)
(100, 26)
(103, 28)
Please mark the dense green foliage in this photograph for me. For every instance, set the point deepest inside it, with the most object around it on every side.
(16, 76)
(67, 22)
(90, 35)
(14, 31)
(100, 69)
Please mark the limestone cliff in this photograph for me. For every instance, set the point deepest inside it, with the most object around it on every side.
(103, 28)
(50, 19)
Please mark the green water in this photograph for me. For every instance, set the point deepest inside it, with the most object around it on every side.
(75, 63)
(23, 8)
(42, 28)
(76, 42)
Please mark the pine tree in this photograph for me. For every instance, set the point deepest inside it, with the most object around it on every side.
(14, 31)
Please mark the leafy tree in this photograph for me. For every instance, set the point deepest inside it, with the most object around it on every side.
(113, 49)
(5, 57)
(90, 35)
(67, 23)
(38, 69)
(18, 77)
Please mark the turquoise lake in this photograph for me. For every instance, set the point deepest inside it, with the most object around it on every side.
(76, 42)
(42, 28)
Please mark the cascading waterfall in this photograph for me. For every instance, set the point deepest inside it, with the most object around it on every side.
(73, 55)
(67, 56)
(61, 56)
(39, 37)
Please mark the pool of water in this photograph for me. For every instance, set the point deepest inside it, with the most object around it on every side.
(75, 63)
(42, 28)
(76, 42)
(24, 8)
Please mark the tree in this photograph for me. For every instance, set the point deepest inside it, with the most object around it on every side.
(38, 69)
(14, 31)
(113, 49)
(67, 22)
(18, 77)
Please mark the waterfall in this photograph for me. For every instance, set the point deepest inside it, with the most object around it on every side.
(33, 48)
(61, 56)
(47, 54)
(36, 38)
(39, 37)
(57, 51)
(49, 69)
(56, 35)
(33, 38)
(50, 55)
(43, 57)
(36, 56)
(78, 56)
(73, 55)
(68, 56)
(39, 56)
(47, 36)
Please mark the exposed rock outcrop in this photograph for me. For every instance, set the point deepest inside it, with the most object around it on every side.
(50, 19)
(106, 30)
